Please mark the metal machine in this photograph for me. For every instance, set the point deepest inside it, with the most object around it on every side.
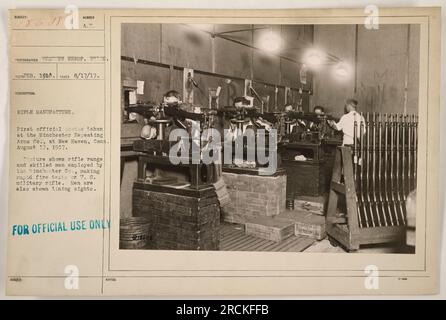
(238, 119)
(307, 151)
(155, 152)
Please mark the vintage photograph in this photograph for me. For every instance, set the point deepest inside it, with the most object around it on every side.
(269, 138)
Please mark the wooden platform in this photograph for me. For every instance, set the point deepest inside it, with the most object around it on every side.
(233, 238)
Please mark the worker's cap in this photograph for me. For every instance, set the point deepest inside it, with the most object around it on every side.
(172, 97)
(352, 102)
(172, 93)
(241, 100)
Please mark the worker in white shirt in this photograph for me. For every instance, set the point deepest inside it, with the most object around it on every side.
(347, 123)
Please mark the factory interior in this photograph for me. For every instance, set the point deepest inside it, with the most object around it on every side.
(339, 184)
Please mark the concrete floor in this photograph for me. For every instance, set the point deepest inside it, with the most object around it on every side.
(324, 246)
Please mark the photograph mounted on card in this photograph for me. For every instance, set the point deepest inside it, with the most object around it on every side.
(247, 152)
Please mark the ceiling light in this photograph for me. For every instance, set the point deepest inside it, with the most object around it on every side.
(270, 41)
(314, 58)
(342, 70)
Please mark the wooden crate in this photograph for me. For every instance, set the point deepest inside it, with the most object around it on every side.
(304, 178)
(253, 196)
(314, 205)
(180, 219)
(270, 228)
(306, 224)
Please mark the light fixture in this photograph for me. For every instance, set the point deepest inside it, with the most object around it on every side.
(342, 70)
(270, 41)
(314, 58)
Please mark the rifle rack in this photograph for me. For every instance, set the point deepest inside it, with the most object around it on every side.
(344, 228)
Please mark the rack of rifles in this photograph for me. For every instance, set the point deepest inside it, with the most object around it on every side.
(384, 167)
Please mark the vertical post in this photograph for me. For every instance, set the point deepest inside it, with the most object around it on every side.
(380, 160)
(403, 157)
(276, 92)
(350, 195)
(398, 169)
(333, 196)
(122, 167)
(373, 150)
(213, 66)
(387, 169)
(355, 169)
(397, 164)
(195, 175)
(287, 95)
(188, 92)
(392, 168)
(171, 76)
(367, 168)
(142, 168)
(248, 84)
(361, 173)
(415, 156)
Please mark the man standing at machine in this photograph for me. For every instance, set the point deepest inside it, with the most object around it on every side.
(318, 110)
(148, 131)
(347, 123)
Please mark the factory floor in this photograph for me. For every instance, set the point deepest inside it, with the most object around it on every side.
(324, 246)
(233, 238)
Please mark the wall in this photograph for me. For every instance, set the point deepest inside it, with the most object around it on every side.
(380, 68)
(194, 47)
(339, 40)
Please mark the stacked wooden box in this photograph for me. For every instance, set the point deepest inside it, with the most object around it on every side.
(305, 178)
(222, 193)
(310, 204)
(179, 222)
(254, 196)
(270, 228)
(306, 223)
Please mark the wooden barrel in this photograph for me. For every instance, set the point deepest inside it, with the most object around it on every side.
(133, 233)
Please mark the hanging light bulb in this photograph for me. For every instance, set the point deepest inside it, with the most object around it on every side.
(314, 58)
(342, 70)
(270, 41)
